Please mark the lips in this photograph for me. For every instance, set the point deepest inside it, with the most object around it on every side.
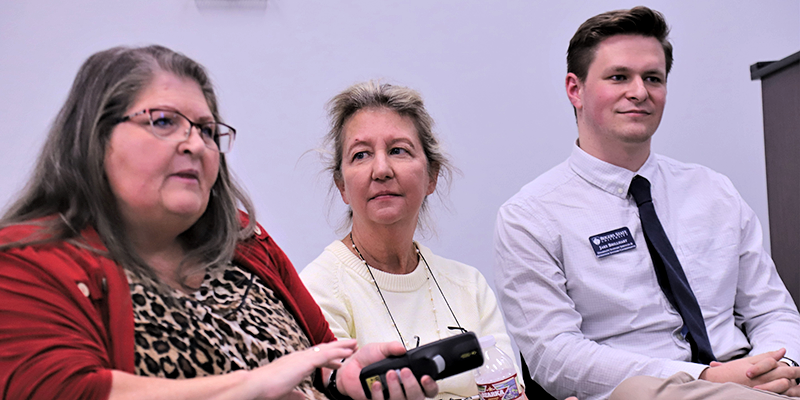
(635, 112)
(187, 174)
(384, 194)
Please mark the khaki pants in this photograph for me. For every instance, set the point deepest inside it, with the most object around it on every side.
(682, 386)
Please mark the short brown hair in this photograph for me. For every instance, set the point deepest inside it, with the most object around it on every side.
(636, 21)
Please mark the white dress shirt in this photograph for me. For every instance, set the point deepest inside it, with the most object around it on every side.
(585, 323)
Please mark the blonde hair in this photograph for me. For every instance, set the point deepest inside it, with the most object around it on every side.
(402, 100)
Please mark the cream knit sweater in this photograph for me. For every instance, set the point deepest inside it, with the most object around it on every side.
(341, 284)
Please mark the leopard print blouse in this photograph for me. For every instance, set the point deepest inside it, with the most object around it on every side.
(232, 322)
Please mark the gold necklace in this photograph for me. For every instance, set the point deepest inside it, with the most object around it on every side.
(430, 293)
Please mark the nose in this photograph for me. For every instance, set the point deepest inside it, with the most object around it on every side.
(381, 167)
(637, 91)
(194, 143)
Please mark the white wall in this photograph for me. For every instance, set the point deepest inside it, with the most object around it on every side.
(491, 72)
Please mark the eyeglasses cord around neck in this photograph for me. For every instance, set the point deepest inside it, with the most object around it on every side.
(430, 271)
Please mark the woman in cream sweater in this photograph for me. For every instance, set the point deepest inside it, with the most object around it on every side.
(377, 283)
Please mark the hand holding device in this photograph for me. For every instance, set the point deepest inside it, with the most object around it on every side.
(439, 360)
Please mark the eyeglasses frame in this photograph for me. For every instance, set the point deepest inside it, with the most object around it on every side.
(188, 133)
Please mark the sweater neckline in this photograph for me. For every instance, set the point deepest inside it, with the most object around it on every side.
(387, 281)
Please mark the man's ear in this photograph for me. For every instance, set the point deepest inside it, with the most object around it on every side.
(574, 88)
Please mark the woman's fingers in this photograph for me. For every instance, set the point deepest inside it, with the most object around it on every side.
(329, 355)
(350, 344)
(373, 352)
(333, 364)
(429, 386)
(394, 385)
(413, 389)
(377, 390)
(405, 386)
(279, 378)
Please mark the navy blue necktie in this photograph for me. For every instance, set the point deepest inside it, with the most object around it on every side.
(670, 274)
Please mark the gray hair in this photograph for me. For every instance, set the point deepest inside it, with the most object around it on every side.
(402, 100)
(68, 191)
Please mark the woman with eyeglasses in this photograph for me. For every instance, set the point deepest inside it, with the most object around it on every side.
(126, 266)
(377, 283)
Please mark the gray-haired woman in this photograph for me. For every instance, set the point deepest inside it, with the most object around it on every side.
(126, 260)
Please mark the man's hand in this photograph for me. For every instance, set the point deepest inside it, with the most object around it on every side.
(787, 387)
(762, 371)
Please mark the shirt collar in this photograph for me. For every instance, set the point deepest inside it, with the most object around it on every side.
(608, 177)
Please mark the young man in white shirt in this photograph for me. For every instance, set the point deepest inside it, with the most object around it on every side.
(586, 302)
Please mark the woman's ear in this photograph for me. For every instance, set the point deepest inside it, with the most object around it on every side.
(433, 175)
(339, 182)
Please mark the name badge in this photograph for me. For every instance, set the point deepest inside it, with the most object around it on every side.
(612, 242)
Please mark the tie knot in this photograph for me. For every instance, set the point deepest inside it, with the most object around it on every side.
(640, 190)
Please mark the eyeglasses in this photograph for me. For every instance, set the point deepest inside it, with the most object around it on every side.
(174, 126)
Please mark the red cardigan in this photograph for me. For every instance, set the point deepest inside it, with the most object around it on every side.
(66, 318)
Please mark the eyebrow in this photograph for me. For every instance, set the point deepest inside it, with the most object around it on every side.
(359, 141)
(206, 118)
(403, 140)
(202, 119)
(620, 68)
(355, 144)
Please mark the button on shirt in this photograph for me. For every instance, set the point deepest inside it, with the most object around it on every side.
(584, 323)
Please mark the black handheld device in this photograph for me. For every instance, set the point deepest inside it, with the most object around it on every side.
(439, 360)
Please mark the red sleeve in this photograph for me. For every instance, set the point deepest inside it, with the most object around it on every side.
(52, 340)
